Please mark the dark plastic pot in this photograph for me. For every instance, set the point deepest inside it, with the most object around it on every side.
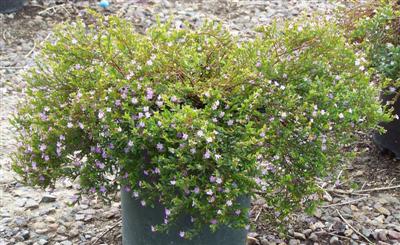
(137, 220)
(390, 141)
(8, 6)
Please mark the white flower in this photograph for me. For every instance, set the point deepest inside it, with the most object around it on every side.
(341, 116)
(230, 122)
(173, 182)
(209, 140)
(200, 133)
(69, 125)
(134, 100)
(218, 180)
(182, 234)
(149, 62)
(185, 136)
(100, 114)
(209, 192)
(229, 203)
(217, 156)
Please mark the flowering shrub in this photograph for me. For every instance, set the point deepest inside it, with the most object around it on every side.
(192, 119)
(377, 30)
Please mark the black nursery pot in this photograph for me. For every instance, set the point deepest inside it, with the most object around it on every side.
(8, 6)
(390, 141)
(136, 222)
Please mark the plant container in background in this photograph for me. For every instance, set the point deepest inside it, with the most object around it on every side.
(137, 220)
(9, 6)
(390, 141)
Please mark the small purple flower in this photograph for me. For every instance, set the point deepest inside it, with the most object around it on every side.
(185, 136)
(62, 137)
(230, 122)
(118, 102)
(238, 212)
(214, 221)
(258, 64)
(167, 212)
(157, 171)
(127, 189)
(212, 179)
(46, 158)
(196, 190)
(81, 125)
(100, 164)
(34, 165)
(77, 66)
(209, 192)
(42, 147)
(207, 154)
(149, 93)
(102, 189)
(160, 147)
(41, 178)
(174, 99)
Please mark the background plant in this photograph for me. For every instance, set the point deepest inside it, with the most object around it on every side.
(192, 119)
(375, 28)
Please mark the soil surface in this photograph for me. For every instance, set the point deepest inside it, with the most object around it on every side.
(362, 198)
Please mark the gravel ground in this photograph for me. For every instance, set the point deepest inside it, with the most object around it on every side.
(354, 212)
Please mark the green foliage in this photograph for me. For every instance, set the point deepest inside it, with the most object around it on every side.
(379, 35)
(192, 119)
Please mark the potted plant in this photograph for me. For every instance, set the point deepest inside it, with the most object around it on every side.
(375, 30)
(189, 124)
(8, 6)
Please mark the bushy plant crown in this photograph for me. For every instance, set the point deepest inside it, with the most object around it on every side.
(192, 119)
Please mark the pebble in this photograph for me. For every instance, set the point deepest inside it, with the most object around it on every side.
(313, 237)
(383, 210)
(334, 241)
(393, 235)
(299, 235)
(48, 199)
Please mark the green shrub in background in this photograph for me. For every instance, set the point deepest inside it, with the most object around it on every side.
(192, 118)
(376, 30)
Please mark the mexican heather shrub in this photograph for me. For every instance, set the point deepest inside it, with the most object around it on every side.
(192, 119)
